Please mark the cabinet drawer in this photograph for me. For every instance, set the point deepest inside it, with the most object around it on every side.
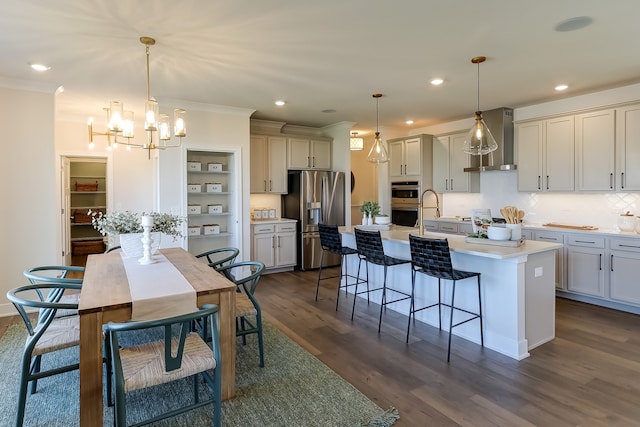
(430, 225)
(287, 227)
(586, 240)
(548, 236)
(445, 227)
(264, 228)
(629, 245)
(465, 228)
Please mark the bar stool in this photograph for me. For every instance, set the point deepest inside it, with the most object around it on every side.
(331, 241)
(433, 258)
(370, 250)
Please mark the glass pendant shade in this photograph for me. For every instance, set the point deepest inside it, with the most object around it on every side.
(150, 115)
(479, 140)
(164, 127)
(378, 154)
(115, 116)
(179, 123)
(127, 124)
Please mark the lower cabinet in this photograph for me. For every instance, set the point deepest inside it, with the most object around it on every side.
(585, 264)
(624, 262)
(553, 237)
(274, 244)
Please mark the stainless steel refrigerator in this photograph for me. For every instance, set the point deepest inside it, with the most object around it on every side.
(314, 197)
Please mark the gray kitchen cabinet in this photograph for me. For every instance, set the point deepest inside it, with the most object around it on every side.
(268, 164)
(449, 161)
(586, 269)
(628, 148)
(308, 153)
(595, 151)
(274, 244)
(546, 154)
(409, 157)
(624, 262)
(450, 227)
(553, 237)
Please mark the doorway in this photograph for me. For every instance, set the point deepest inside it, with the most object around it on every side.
(84, 189)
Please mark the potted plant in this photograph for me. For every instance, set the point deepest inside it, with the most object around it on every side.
(369, 210)
(127, 227)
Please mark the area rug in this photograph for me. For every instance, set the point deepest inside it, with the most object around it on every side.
(293, 389)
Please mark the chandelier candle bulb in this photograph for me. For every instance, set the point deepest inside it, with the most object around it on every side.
(180, 129)
(165, 134)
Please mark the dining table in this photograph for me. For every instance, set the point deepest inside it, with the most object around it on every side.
(106, 296)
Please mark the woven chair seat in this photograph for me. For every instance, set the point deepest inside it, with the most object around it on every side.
(143, 365)
(61, 333)
(244, 306)
(454, 275)
(68, 299)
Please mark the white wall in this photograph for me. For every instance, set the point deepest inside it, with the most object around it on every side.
(499, 188)
(28, 216)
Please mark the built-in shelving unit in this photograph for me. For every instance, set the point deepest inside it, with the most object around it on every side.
(211, 209)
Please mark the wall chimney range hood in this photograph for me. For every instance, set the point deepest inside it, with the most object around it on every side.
(500, 123)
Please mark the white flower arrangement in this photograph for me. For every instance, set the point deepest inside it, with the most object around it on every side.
(130, 222)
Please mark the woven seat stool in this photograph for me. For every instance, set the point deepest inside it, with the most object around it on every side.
(331, 242)
(432, 257)
(370, 250)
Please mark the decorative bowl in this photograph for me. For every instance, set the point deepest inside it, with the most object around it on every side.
(627, 222)
(498, 233)
(382, 220)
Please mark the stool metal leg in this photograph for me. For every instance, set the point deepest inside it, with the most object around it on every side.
(343, 265)
(480, 313)
(320, 274)
(453, 296)
(383, 301)
(412, 306)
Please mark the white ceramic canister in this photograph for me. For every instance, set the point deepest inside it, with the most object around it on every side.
(516, 231)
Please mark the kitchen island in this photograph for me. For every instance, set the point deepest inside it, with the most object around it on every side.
(517, 288)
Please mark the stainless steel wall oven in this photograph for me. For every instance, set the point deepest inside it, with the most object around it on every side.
(405, 200)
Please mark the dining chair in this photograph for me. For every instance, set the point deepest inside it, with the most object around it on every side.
(47, 335)
(432, 257)
(331, 242)
(180, 353)
(220, 257)
(370, 250)
(246, 275)
(58, 274)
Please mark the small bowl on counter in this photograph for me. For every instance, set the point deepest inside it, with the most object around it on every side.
(627, 222)
(382, 220)
(498, 233)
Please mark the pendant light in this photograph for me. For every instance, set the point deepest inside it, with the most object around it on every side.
(356, 143)
(479, 140)
(377, 154)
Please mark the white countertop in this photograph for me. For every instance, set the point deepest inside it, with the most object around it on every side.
(537, 226)
(272, 221)
(401, 234)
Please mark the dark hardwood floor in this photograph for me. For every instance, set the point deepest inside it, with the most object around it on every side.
(588, 376)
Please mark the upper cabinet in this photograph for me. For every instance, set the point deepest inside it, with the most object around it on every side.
(309, 153)
(405, 156)
(627, 136)
(546, 154)
(595, 151)
(449, 161)
(268, 164)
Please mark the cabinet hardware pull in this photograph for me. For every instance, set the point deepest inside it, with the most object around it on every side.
(622, 179)
(629, 246)
(585, 241)
(446, 185)
(600, 262)
(539, 187)
(611, 262)
(265, 185)
(546, 238)
(308, 161)
(270, 185)
(400, 169)
(273, 242)
(611, 180)
(278, 241)
(547, 182)
(451, 184)
(313, 161)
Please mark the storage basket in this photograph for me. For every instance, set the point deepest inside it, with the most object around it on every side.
(80, 216)
(87, 247)
(87, 186)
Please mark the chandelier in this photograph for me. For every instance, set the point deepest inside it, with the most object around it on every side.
(479, 140)
(158, 126)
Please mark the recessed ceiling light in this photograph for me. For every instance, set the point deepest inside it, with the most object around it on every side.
(40, 67)
(280, 103)
(573, 24)
(409, 122)
(437, 82)
(560, 88)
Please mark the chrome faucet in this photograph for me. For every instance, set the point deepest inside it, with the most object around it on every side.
(421, 207)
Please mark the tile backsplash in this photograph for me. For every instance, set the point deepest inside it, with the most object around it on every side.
(499, 188)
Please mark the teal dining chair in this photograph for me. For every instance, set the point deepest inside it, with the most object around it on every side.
(182, 352)
(246, 275)
(220, 257)
(46, 335)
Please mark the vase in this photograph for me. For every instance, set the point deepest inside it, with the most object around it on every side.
(365, 219)
(369, 220)
(132, 246)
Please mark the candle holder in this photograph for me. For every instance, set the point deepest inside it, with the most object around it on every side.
(147, 224)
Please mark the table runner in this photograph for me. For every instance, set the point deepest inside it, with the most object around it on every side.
(158, 290)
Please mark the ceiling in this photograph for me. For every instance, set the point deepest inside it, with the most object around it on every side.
(318, 56)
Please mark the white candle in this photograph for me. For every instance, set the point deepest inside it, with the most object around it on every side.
(147, 220)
